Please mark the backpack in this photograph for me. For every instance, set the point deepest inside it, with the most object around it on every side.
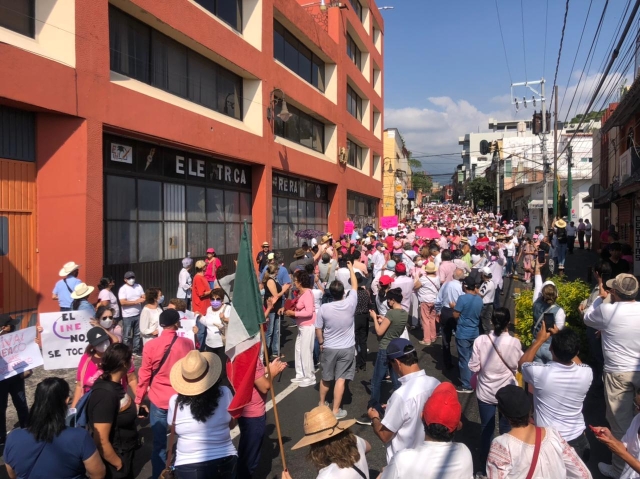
(562, 235)
(79, 418)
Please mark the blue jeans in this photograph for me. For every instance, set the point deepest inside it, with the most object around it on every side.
(251, 434)
(562, 253)
(464, 347)
(543, 355)
(273, 334)
(488, 424)
(131, 330)
(158, 422)
(496, 298)
(223, 468)
(379, 371)
(509, 269)
(13, 386)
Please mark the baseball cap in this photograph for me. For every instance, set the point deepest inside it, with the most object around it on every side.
(486, 271)
(443, 407)
(97, 336)
(385, 280)
(169, 317)
(513, 401)
(211, 250)
(401, 268)
(395, 348)
(470, 282)
(129, 275)
(624, 283)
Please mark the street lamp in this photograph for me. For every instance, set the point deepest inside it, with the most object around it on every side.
(284, 114)
(390, 170)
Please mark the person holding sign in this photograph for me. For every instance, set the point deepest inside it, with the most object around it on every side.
(131, 297)
(215, 321)
(46, 448)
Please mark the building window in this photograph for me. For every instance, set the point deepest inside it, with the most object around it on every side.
(362, 210)
(301, 128)
(356, 155)
(354, 103)
(354, 52)
(586, 160)
(292, 53)
(140, 52)
(357, 7)
(17, 134)
(229, 11)
(507, 168)
(19, 16)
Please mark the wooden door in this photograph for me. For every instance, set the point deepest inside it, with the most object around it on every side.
(18, 279)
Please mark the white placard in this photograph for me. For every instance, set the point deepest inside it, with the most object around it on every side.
(19, 352)
(64, 338)
(185, 331)
(122, 153)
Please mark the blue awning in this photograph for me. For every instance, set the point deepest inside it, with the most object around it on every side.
(411, 195)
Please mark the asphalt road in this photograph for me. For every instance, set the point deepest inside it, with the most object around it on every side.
(292, 408)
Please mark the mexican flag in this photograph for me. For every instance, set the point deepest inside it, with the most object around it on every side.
(243, 331)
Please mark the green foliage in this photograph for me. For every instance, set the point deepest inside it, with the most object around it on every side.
(482, 191)
(570, 295)
(594, 115)
(416, 165)
(421, 181)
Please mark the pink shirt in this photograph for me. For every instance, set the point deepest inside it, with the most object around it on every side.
(93, 372)
(305, 312)
(445, 271)
(493, 374)
(209, 272)
(256, 407)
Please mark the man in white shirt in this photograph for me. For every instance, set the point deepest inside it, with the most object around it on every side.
(559, 387)
(402, 426)
(487, 291)
(343, 274)
(445, 301)
(378, 260)
(405, 283)
(438, 457)
(620, 331)
(132, 298)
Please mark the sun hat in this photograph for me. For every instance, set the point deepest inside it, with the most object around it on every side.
(624, 283)
(169, 317)
(391, 265)
(129, 275)
(195, 373)
(443, 407)
(464, 240)
(187, 262)
(266, 243)
(270, 256)
(97, 336)
(513, 401)
(321, 424)
(324, 239)
(299, 253)
(68, 268)
(81, 291)
(385, 280)
(211, 250)
(561, 223)
(430, 268)
(395, 348)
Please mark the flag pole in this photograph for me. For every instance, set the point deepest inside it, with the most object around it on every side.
(273, 397)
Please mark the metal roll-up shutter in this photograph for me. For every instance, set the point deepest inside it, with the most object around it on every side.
(624, 219)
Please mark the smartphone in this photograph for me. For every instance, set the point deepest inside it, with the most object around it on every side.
(549, 320)
(541, 254)
(143, 412)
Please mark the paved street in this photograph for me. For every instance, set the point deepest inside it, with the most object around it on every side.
(292, 407)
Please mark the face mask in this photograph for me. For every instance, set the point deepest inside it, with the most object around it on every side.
(106, 323)
(131, 281)
(161, 300)
(216, 303)
(102, 347)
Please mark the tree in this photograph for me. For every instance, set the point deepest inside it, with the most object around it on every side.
(421, 181)
(482, 191)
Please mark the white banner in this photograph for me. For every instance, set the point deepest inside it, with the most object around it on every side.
(64, 338)
(19, 352)
(185, 331)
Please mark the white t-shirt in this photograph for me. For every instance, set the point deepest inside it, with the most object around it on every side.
(431, 460)
(488, 291)
(405, 283)
(632, 442)
(559, 393)
(131, 293)
(317, 298)
(344, 275)
(107, 295)
(202, 441)
(620, 329)
(332, 471)
(213, 321)
(428, 292)
(404, 411)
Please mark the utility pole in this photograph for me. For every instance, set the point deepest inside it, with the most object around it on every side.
(569, 182)
(555, 157)
(496, 158)
(545, 192)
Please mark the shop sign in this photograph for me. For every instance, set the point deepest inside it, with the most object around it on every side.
(121, 153)
(298, 188)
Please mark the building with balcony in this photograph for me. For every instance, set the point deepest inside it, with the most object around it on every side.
(397, 194)
(136, 132)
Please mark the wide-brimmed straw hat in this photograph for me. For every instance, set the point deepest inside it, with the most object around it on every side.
(195, 373)
(321, 424)
(82, 291)
(68, 268)
(561, 223)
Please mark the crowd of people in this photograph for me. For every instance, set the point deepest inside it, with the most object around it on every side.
(439, 277)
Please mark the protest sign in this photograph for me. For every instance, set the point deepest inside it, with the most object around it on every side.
(19, 352)
(348, 227)
(185, 331)
(387, 222)
(64, 338)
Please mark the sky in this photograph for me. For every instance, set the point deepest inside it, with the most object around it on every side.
(446, 73)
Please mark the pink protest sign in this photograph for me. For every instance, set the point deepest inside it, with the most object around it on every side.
(348, 227)
(388, 222)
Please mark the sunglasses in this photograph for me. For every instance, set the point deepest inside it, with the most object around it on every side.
(107, 317)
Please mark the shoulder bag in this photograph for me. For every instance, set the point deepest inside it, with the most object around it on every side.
(540, 318)
(168, 472)
(163, 360)
(500, 355)
(536, 453)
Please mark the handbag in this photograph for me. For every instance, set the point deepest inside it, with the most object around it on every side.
(536, 453)
(162, 361)
(169, 472)
(500, 355)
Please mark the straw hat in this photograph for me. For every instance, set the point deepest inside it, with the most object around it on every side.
(195, 373)
(82, 291)
(324, 239)
(68, 268)
(321, 424)
(430, 268)
(561, 223)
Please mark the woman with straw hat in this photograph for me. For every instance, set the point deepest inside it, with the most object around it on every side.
(80, 297)
(335, 451)
(199, 417)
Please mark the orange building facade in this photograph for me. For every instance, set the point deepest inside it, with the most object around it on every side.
(133, 133)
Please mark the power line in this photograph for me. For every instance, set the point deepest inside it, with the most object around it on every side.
(546, 24)
(504, 47)
(564, 26)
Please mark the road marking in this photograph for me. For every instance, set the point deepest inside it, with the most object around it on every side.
(235, 432)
